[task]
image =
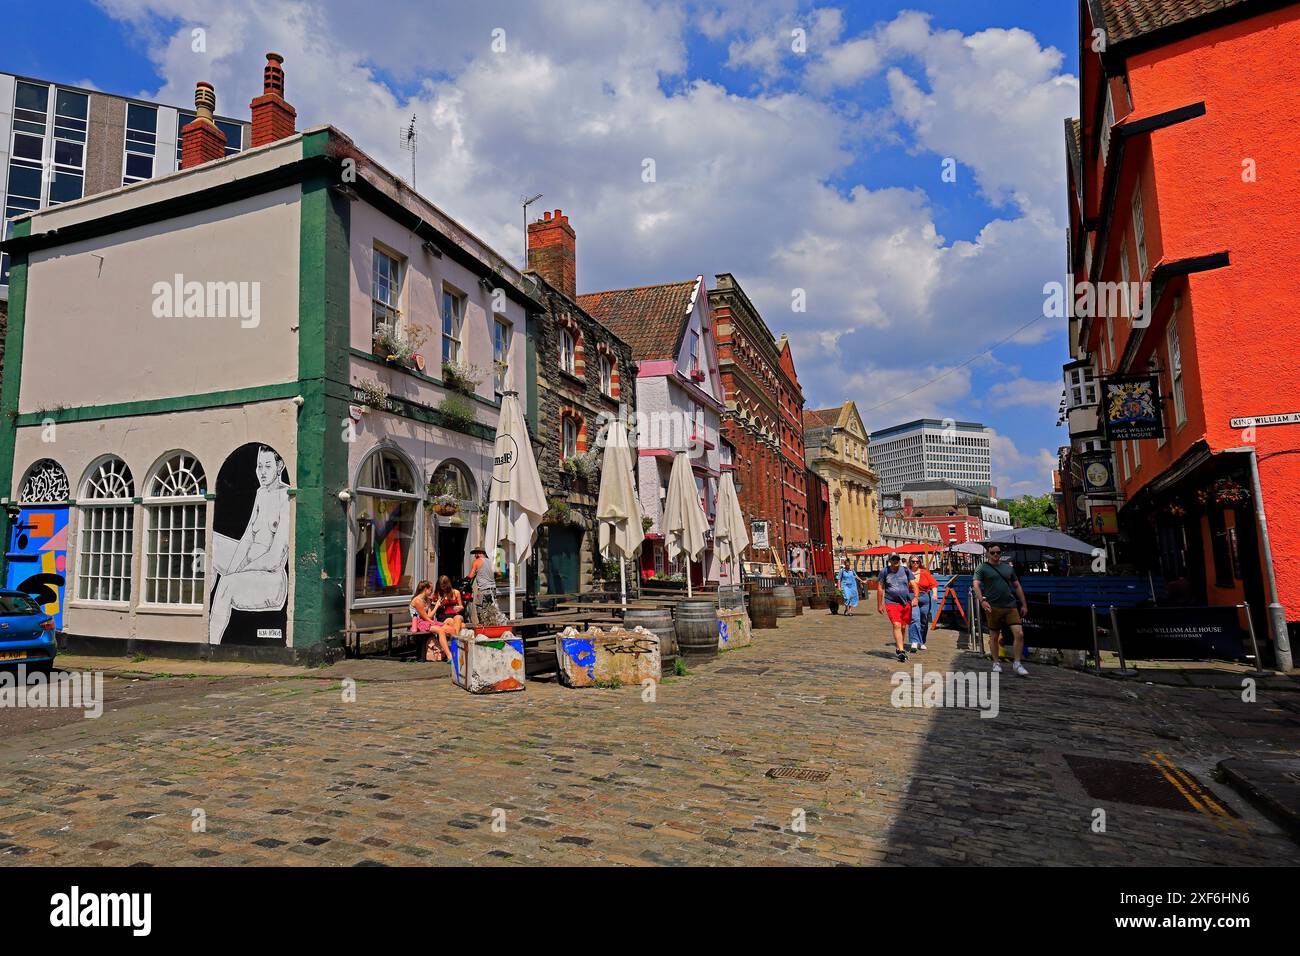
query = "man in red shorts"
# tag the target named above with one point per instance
(898, 594)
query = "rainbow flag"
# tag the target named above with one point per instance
(388, 550)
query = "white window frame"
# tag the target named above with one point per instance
(1107, 121)
(453, 324)
(568, 351)
(568, 429)
(1174, 348)
(136, 148)
(385, 294)
(106, 512)
(1125, 277)
(606, 376)
(502, 332)
(1123, 452)
(192, 508)
(1139, 231)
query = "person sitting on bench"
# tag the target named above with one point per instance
(423, 621)
(449, 606)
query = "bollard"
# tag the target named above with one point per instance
(1250, 627)
(1124, 670)
(1096, 648)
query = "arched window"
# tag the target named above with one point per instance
(107, 533)
(176, 519)
(452, 478)
(45, 483)
(386, 507)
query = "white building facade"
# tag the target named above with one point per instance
(929, 449)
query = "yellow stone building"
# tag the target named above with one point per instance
(835, 446)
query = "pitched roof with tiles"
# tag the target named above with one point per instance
(651, 318)
(821, 417)
(1128, 19)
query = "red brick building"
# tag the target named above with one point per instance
(763, 423)
(1182, 186)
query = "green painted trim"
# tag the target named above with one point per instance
(422, 376)
(321, 534)
(429, 415)
(9, 389)
(162, 406)
(289, 173)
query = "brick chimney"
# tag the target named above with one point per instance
(552, 252)
(201, 141)
(273, 118)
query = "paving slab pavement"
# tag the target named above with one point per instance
(303, 768)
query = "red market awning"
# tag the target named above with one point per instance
(872, 552)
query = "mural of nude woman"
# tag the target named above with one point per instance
(253, 571)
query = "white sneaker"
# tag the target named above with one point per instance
(997, 668)
(913, 647)
(1020, 669)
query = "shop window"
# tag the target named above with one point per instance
(176, 511)
(107, 534)
(386, 507)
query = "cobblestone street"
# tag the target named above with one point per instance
(283, 771)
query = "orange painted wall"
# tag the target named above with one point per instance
(1239, 326)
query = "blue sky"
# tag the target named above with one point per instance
(817, 170)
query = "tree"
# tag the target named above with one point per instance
(1033, 511)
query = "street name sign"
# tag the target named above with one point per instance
(1255, 421)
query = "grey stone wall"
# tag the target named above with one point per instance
(557, 390)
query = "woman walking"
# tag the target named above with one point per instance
(848, 582)
(926, 587)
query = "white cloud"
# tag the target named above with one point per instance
(1026, 391)
(1017, 473)
(751, 184)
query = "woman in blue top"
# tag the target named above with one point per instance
(848, 582)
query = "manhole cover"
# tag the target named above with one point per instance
(798, 773)
(1156, 783)
(734, 669)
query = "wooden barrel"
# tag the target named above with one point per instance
(697, 627)
(762, 610)
(817, 600)
(658, 621)
(787, 605)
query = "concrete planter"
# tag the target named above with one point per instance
(487, 665)
(600, 658)
(733, 630)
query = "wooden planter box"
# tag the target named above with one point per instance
(602, 657)
(487, 665)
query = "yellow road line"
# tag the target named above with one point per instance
(1183, 782)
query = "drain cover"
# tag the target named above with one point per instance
(1141, 784)
(798, 773)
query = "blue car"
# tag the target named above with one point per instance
(26, 632)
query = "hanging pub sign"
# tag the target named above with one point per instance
(1098, 473)
(1104, 519)
(1131, 407)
